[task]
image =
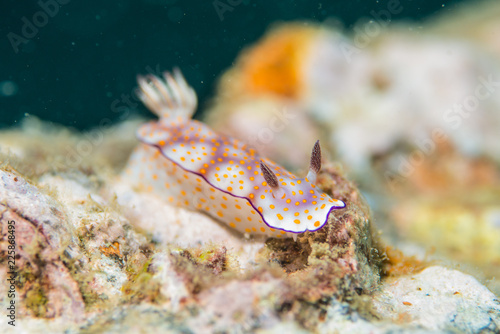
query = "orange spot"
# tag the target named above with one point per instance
(271, 206)
(183, 159)
(263, 229)
(317, 223)
(113, 249)
(309, 217)
(323, 206)
(220, 214)
(296, 214)
(229, 189)
(296, 221)
(237, 207)
(273, 65)
(314, 203)
(280, 217)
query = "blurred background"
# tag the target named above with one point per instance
(73, 63)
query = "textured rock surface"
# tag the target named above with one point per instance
(41, 234)
(92, 247)
(96, 255)
(440, 299)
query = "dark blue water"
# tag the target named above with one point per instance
(70, 61)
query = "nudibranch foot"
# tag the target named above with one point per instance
(190, 165)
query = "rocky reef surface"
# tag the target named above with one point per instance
(93, 254)
(90, 248)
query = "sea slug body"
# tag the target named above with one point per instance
(190, 165)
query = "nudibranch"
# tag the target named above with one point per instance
(190, 165)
